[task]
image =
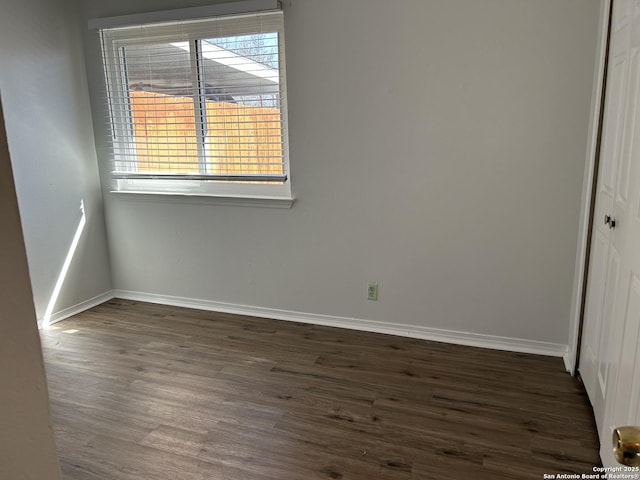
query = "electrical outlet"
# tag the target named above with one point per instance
(372, 291)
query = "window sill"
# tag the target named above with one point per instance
(203, 199)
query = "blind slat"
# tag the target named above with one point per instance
(212, 177)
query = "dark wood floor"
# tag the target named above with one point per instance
(141, 391)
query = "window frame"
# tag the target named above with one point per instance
(115, 38)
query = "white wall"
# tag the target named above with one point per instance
(48, 118)
(27, 449)
(437, 147)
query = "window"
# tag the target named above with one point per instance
(199, 106)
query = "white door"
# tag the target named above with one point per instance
(610, 353)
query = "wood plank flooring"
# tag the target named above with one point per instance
(141, 391)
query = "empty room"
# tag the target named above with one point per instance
(319, 239)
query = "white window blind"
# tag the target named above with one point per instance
(198, 106)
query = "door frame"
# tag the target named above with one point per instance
(571, 358)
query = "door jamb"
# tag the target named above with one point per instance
(572, 357)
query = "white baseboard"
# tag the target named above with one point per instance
(412, 331)
(78, 308)
(569, 361)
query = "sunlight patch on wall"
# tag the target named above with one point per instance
(65, 267)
